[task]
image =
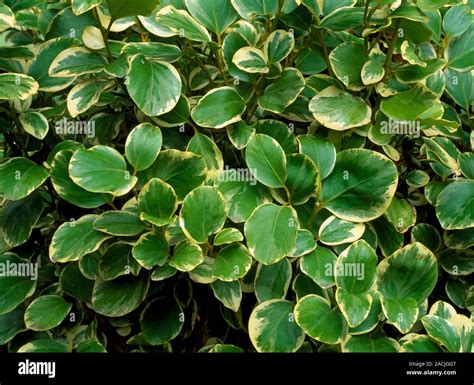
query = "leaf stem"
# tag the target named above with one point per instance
(316, 209)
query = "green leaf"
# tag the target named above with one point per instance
(419, 343)
(81, 6)
(90, 347)
(75, 284)
(46, 312)
(347, 61)
(302, 179)
(157, 202)
(318, 265)
(187, 256)
(76, 61)
(19, 177)
(219, 108)
(339, 18)
(361, 186)
(411, 272)
(154, 86)
(401, 214)
(454, 206)
(460, 86)
(229, 293)
(401, 312)
(410, 12)
(203, 213)
(417, 178)
(163, 272)
(219, 348)
(443, 332)
(178, 115)
(180, 22)
(200, 78)
(426, 234)
(305, 243)
(34, 124)
(251, 60)
(17, 86)
(151, 250)
(355, 269)
(216, 16)
(232, 262)
(321, 151)
(44, 346)
(116, 261)
(182, 170)
(283, 91)
(266, 160)
(207, 148)
(303, 285)
(278, 131)
(459, 239)
(15, 288)
(400, 107)
(153, 50)
(161, 321)
(67, 189)
(231, 44)
(373, 70)
(429, 5)
(38, 68)
(74, 239)
(272, 282)
(272, 328)
(354, 306)
(143, 146)
(11, 324)
(366, 344)
(228, 235)
(203, 272)
(119, 223)
(7, 18)
(339, 110)
(101, 169)
(373, 318)
(239, 134)
(123, 8)
(278, 45)
(270, 247)
(315, 316)
(457, 20)
(249, 9)
(466, 164)
(459, 50)
(89, 265)
(415, 73)
(409, 53)
(120, 296)
(241, 196)
(17, 219)
(66, 24)
(335, 231)
(85, 94)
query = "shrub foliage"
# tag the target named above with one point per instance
(236, 175)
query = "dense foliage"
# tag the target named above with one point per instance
(236, 175)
